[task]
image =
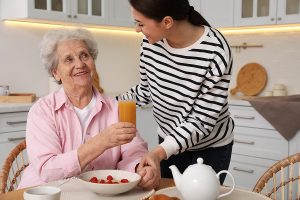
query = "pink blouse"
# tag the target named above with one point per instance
(54, 133)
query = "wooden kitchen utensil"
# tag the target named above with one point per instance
(251, 80)
(18, 98)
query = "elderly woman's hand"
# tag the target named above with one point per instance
(117, 134)
(114, 135)
(149, 170)
(150, 177)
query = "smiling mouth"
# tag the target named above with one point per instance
(81, 73)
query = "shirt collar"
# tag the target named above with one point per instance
(62, 99)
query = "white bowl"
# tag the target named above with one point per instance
(42, 193)
(110, 189)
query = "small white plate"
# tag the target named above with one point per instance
(237, 194)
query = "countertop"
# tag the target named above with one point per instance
(17, 107)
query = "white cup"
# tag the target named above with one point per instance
(42, 193)
(4, 90)
(279, 87)
(268, 93)
(279, 93)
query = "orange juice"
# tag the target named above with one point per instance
(127, 111)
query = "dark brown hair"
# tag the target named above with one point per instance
(177, 9)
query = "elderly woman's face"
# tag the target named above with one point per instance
(75, 64)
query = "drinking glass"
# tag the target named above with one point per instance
(127, 108)
(4, 90)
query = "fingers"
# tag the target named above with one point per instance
(150, 179)
(117, 134)
(142, 172)
(124, 125)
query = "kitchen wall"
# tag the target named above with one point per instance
(118, 58)
(279, 55)
(21, 68)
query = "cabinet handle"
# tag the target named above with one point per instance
(15, 139)
(244, 142)
(75, 16)
(243, 117)
(272, 19)
(15, 123)
(69, 16)
(279, 18)
(250, 171)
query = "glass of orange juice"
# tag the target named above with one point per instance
(127, 108)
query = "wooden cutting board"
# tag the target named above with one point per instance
(18, 98)
(251, 80)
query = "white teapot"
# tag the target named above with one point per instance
(199, 182)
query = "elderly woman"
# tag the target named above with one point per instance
(75, 128)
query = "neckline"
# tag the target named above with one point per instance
(87, 107)
(172, 49)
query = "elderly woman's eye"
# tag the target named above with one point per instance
(84, 56)
(68, 60)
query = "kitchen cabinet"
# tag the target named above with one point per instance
(218, 13)
(147, 126)
(257, 145)
(288, 11)
(214, 11)
(266, 12)
(82, 12)
(12, 127)
(120, 13)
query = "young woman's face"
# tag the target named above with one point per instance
(75, 64)
(153, 30)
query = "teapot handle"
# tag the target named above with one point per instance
(233, 182)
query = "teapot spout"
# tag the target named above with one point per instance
(176, 176)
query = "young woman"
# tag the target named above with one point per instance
(185, 70)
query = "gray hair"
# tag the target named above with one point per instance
(52, 38)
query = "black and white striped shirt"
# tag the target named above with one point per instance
(188, 88)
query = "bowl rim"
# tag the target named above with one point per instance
(138, 177)
(51, 191)
(110, 189)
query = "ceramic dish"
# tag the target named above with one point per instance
(74, 189)
(237, 194)
(110, 189)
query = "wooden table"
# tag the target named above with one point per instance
(18, 194)
(237, 194)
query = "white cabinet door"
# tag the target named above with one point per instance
(218, 13)
(254, 12)
(90, 11)
(95, 12)
(196, 4)
(8, 141)
(48, 9)
(247, 170)
(35, 9)
(288, 11)
(120, 13)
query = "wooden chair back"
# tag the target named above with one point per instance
(282, 180)
(13, 167)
